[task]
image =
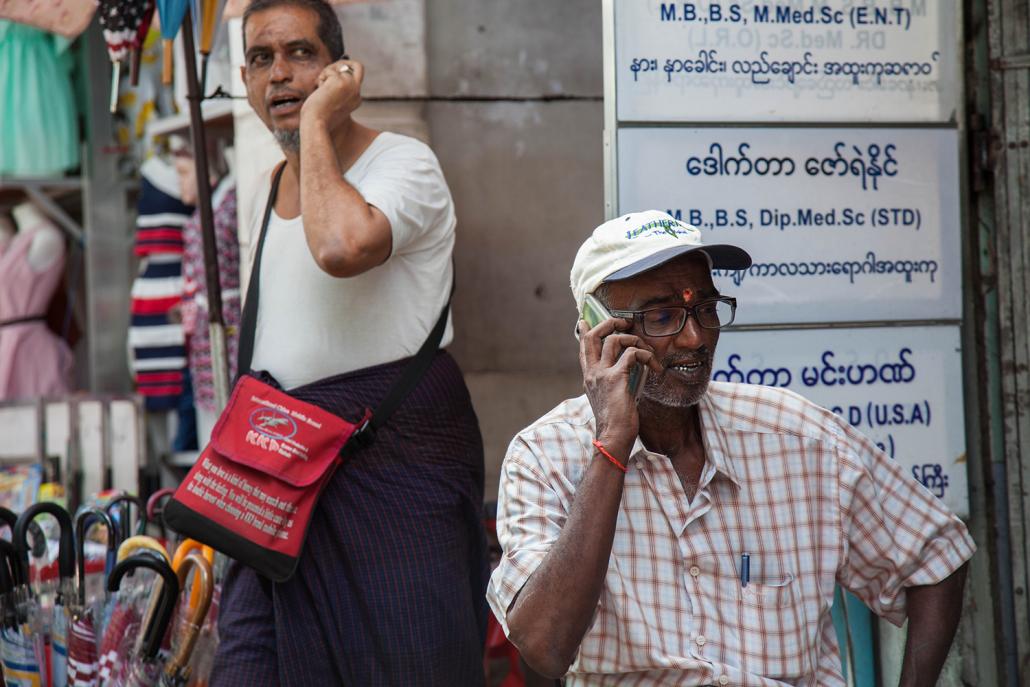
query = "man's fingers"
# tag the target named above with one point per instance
(632, 356)
(358, 70)
(349, 69)
(614, 344)
(591, 340)
(584, 356)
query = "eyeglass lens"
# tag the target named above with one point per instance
(666, 321)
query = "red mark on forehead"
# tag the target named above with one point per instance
(687, 295)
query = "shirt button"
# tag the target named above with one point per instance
(724, 679)
(700, 640)
(695, 571)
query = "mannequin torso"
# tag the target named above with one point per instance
(47, 243)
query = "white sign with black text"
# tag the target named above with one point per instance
(900, 386)
(801, 61)
(844, 225)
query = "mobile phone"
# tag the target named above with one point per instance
(595, 313)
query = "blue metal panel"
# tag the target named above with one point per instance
(860, 624)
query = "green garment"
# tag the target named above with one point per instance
(39, 129)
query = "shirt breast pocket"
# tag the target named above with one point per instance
(763, 624)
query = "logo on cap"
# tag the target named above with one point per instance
(660, 226)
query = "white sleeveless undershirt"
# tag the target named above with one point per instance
(311, 325)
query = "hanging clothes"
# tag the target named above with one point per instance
(34, 361)
(39, 130)
(195, 306)
(158, 343)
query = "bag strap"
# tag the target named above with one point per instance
(248, 319)
(411, 374)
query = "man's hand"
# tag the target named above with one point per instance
(607, 354)
(337, 96)
(550, 615)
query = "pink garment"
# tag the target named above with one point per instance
(33, 361)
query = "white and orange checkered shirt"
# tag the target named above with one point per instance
(809, 499)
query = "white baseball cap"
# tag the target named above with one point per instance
(640, 241)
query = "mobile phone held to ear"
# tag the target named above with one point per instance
(595, 313)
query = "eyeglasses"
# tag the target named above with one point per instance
(714, 313)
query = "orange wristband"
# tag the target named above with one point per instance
(604, 452)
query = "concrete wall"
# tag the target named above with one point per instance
(515, 116)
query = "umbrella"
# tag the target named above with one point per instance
(202, 660)
(83, 660)
(210, 11)
(124, 618)
(10, 518)
(141, 37)
(120, 20)
(144, 664)
(171, 13)
(16, 653)
(156, 509)
(177, 672)
(183, 550)
(141, 542)
(123, 514)
(212, 282)
(49, 625)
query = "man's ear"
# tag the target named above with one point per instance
(243, 74)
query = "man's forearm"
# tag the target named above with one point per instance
(330, 205)
(933, 615)
(554, 609)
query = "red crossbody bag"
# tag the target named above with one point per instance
(254, 488)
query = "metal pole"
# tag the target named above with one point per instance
(219, 360)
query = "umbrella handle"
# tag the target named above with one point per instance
(167, 59)
(66, 552)
(140, 541)
(8, 565)
(85, 518)
(167, 595)
(141, 511)
(8, 517)
(153, 502)
(138, 546)
(186, 547)
(203, 588)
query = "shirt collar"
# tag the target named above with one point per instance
(716, 449)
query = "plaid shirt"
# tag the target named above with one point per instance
(813, 502)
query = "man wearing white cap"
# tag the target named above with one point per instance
(694, 533)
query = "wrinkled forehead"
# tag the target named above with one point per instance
(683, 279)
(281, 25)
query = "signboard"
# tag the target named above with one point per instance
(900, 386)
(843, 225)
(800, 61)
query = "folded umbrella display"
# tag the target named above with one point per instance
(124, 615)
(143, 665)
(44, 620)
(17, 652)
(83, 658)
(177, 671)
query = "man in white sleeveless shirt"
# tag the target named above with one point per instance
(354, 272)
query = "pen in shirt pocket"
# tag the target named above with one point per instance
(745, 569)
